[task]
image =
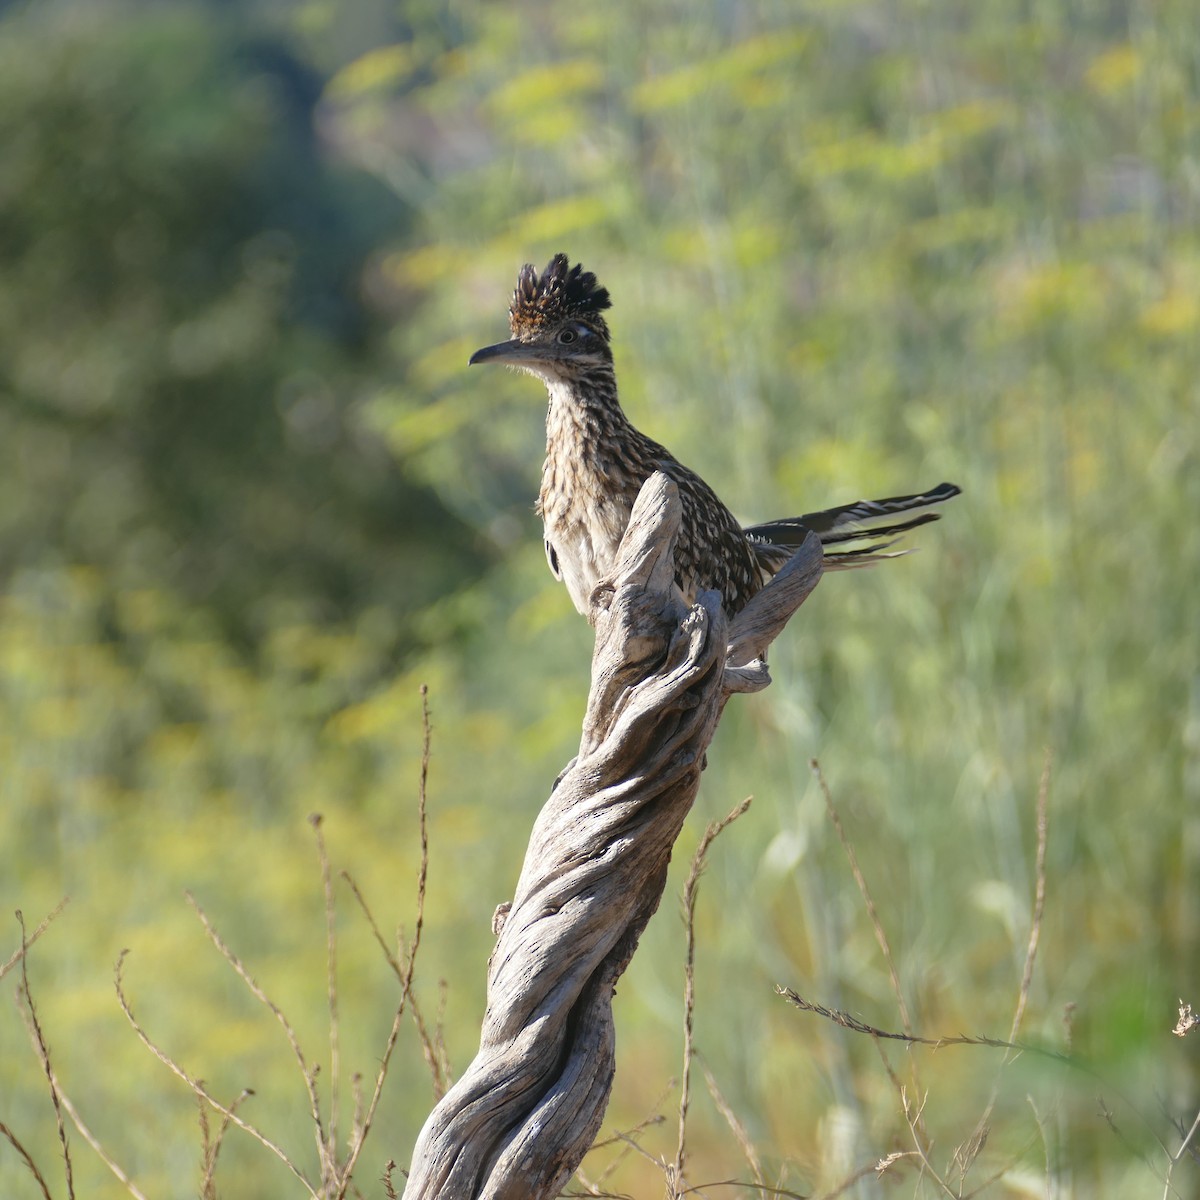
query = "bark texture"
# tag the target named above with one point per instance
(521, 1118)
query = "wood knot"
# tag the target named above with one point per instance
(602, 596)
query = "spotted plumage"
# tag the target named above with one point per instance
(596, 463)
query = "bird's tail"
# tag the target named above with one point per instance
(856, 527)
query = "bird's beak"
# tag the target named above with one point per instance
(515, 352)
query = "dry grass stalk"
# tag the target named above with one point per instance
(361, 1132)
(43, 1053)
(27, 941)
(741, 1136)
(27, 1158)
(308, 1073)
(197, 1085)
(675, 1176)
(329, 1140)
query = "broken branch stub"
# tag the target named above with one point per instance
(519, 1121)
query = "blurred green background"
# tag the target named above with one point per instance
(251, 498)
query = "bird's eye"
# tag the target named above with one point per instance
(567, 336)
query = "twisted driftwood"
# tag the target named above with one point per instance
(520, 1120)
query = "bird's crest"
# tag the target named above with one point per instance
(561, 291)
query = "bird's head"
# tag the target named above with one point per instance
(557, 327)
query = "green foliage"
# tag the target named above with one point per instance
(184, 337)
(874, 247)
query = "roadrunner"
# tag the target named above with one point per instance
(596, 463)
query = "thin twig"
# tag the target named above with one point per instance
(406, 985)
(433, 1045)
(736, 1127)
(589, 1188)
(27, 942)
(205, 1148)
(890, 1071)
(898, 1087)
(876, 924)
(594, 1193)
(1178, 1155)
(84, 1132)
(765, 1188)
(212, 1146)
(198, 1087)
(690, 888)
(329, 1157)
(356, 891)
(636, 1146)
(1000, 1172)
(876, 1168)
(846, 1021)
(860, 880)
(626, 1137)
(356, 1090)
(979, 1136)
(43, 1052)
(913, 1120)
(15, 1142)
(886, 1163)
(965, 1153)
(309, 1073)
(1039, 894)
(438, 1070)
(440, 1053)
(93, 1141)
(363, 1127)
(1111, 1122)
(1048, 1151)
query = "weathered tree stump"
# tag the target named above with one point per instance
(521, 1118)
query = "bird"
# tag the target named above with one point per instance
(596, 463)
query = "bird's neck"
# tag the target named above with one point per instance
(583, 413)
